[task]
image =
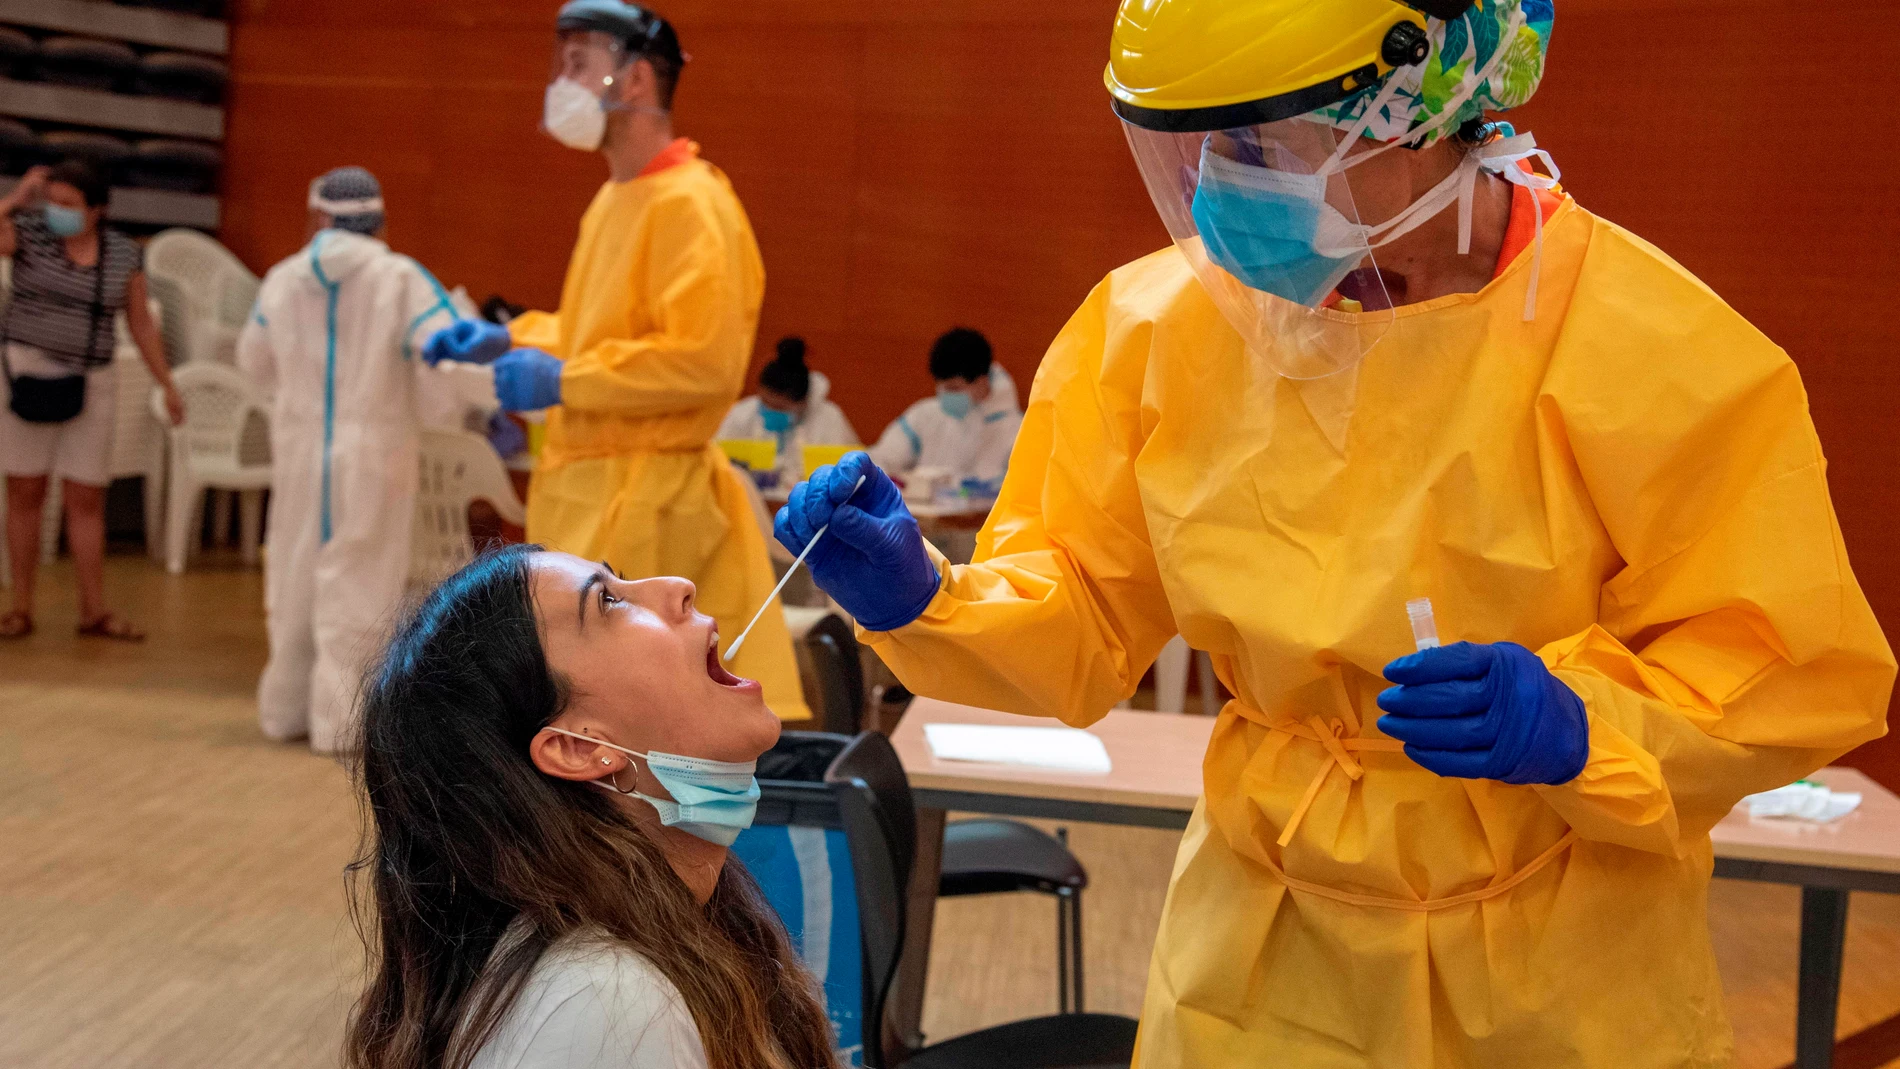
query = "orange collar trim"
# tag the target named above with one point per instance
(680, 151)
(1522, 229)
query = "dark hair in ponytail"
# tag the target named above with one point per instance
(787, 373)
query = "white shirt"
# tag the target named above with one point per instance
(594, 1004)
(824, 424)
(974, 447)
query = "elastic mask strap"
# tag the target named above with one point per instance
(1502, 158)
(1454, 187)
(612, 783)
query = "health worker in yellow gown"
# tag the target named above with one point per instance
(649, 347)
(1387, 358)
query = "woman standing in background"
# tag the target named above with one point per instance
(71, 278)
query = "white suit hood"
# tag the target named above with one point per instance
(819, 390)
(333, 256)
(1002, 393)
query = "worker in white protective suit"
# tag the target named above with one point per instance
(968, 428)
(792, 409)
(335, 345)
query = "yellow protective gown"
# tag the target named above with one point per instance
(656, 324)
(1630, 485)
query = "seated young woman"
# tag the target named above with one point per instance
(554, 763)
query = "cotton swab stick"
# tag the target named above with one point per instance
(733, 650)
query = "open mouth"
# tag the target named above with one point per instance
(716, 669)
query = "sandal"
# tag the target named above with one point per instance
(16, 625)
(111, 627)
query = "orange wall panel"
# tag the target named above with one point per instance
(912, 165)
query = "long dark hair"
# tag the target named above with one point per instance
(466, 837)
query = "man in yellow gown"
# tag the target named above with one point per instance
(649, 347)
(1333, 396)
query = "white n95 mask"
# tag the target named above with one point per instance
(573, 115)
(714, 800)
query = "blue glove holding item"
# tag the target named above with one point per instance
(470, 341)
(872, 560)
(527, 379)
(1490, 711)
(506, 436)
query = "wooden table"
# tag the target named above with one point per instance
(1859, 852)
(1156, 782)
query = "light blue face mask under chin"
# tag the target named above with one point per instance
(64, 221)
(1271, 229)
(713, 800)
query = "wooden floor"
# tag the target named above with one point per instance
(171, 884)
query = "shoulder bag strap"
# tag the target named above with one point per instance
(98, 298)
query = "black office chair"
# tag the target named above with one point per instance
(993, 856)
(86, 63)
(182, 76)
(211, 9)
(19, 54)
(840, 670)
(989, 856)
(19, 147)
(105, 153)
(179, 166)
(880, 820)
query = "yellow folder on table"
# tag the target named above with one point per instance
(817, 456)
(758, 454)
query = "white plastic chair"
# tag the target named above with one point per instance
(457, 468)
(223, 443)
(207, 293)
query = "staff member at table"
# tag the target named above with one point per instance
(1270, 437)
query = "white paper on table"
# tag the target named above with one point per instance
(1063, 749)
(1803, 800)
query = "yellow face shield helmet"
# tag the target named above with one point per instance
(1247, 119)
(1198, 65)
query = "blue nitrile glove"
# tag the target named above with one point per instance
(872, 560)
(506, 435)
(527, 379)
(471, 341)
(1490, 711)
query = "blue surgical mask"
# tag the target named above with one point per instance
(64, 221)
(1273, 230)
(955, 403)
(714, 800)
(775, 421)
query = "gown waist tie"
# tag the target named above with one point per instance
(1340, 746)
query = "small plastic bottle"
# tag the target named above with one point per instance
(1424, 627)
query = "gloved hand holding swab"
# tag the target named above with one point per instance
(733, 650)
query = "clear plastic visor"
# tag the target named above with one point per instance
(1266, 218)
(589, 58)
